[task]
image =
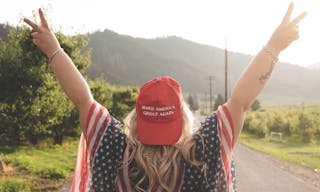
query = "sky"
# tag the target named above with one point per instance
(246, 24)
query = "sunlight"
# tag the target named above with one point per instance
(247, 24)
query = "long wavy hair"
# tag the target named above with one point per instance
(154, 162)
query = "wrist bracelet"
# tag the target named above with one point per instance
(267, 50)
(55, 52)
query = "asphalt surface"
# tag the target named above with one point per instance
(256, 172)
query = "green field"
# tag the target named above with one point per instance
(287, 149)
(38, 167)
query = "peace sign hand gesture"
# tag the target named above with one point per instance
(286, 33)
(43, 38)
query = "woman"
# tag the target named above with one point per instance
(158, 151)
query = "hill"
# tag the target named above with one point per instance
(314, 66)
(126, 60)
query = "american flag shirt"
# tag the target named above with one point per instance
(103, 148)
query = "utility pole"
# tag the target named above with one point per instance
(211, 80)
(226, 72)
(206, 102)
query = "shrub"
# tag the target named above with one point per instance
(14, 185)
(304, 126)
(316, 135)
(255, 125)
(291, 121)
(53, 173)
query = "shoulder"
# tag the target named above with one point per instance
(98, 119)
(101, 125)
(208, 127)
(226, 125)
(206, 137)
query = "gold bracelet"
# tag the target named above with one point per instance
(268, 51)
(55, 52)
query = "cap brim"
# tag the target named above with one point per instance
(159, 133)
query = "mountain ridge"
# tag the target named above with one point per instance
(314, 66)
(125, 60)
(122, 59)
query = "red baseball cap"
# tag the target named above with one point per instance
(159, 111)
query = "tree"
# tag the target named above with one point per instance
(255, 105)
(193, 102)
(219, 101)
(304, 127)
(19, 82)
(4, 31)
(32, 104)
(102, 92)
(123, 101)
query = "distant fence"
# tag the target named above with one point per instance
(276, 134)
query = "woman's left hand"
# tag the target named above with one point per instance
(286, 32)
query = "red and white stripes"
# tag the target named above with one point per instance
(97, 122)
(226, 133)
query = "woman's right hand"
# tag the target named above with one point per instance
(286, 32)
(69, 77)
(43, 38)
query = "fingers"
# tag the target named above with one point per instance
(32, 24)
(293, 33)
(35, 41)
(286, 18)
(299, 18)
(294, 24)
(35, 35)
(37, 28)
(43, 19)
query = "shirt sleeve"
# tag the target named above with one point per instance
(97, 117)
(97, 120)
(101, 128)
(226, 135)
(101, 124)
(226, 127)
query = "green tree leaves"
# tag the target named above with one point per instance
(302, 124)
(255, 105)
(32, 103)
(219, 101)
(31, 99)
(193, 102)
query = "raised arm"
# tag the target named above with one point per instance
(71, 80)
(257, 74)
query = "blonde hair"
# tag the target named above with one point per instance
(154, 162)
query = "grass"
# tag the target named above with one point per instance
(44, 167)
(288, 149)
(14, 185)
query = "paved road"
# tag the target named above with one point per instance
(256, 172)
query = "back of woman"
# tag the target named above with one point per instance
(156, 149)
(158, 160)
